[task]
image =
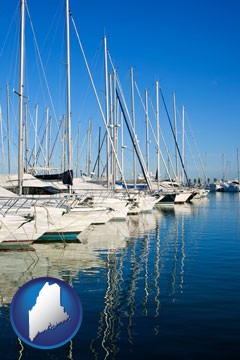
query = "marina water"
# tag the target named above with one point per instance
(163, 285)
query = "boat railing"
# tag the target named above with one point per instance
(17, 204)
(13, 204)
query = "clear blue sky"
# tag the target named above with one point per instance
(191, 47)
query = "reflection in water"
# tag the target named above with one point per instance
(157, 277)
(16, 269)
(70, 352)
(146, 251)
(133, 281)
(182, 257)
(178, 242)
(108, 332)
(21, 349)
(143, 261)
(58, 260)
(142, 284)
(175, 257)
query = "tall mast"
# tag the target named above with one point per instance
(223, 170)
(88, 152)
(111, 157)
(20, 92)
(205, 167)
(2, 145)
(115, 127)
(175, 131)
(158, 134)
(133, 126)
(46, 141)
(8, 129)
(63, 144)
(26, 137)
(147, 132)
(99, 150)
(35, 137)
(122, 142)
(69, 135)
(237, 166)
(49, 142)
(106, 107)
(183, 134)
(78, 151)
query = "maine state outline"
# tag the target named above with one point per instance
(47, 313)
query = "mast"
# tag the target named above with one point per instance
(223, 171)
(8, 129)
(133, 126)
(147, 132)
(78, 151)
(2, 145)
(106, 107)
(183, 155)
(46, 141)
(158, 134)
(175, 131)
(111, 160)
(26, 137)
(205, 167)
(20, 92)
(63, 143)
(98, 102)
(170, 123)
(237, 166)
(49, 142)
(135, 142)
(35, 137)
(99, 150)
(88, 152)
(115, 127)
(69, 136)
(122, 142)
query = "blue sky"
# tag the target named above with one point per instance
(191, 47)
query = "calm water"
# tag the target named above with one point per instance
(164, 285)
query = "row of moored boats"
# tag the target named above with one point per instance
(46, 212)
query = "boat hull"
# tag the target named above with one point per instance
(49, 237)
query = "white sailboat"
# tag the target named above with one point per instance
(24, 219)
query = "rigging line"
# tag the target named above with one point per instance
(97, 159)
(82, 147)
(29, 114)
(174, 136)
(98, 101)
(131, 134)
(9, 29)
(192, 155)
(40, 148)
(150, 123)
(93, 66)
(5, 131)
(188, 142)
(140, 156)
(56, 137)
(41, 63)
(13, 58)
(165, 145)
(56, 15)
(76, 147)
(80, 152)
(12, 108)
(195, 143)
